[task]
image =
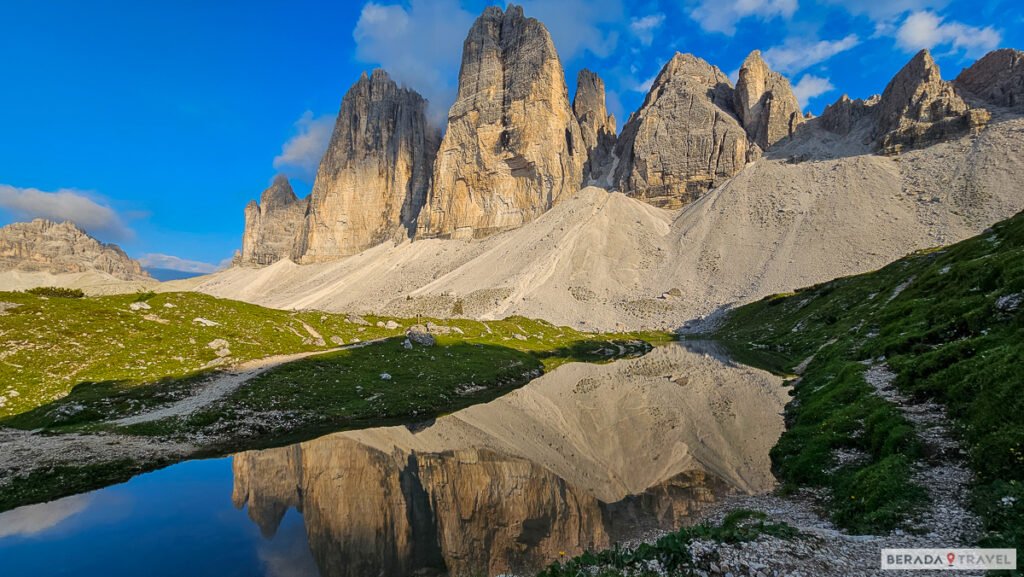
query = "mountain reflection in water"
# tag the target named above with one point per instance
(582, 458)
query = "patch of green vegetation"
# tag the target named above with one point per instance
(950, 323)
(63, 480)
(72, 365)
(670, 555)
(56, 292)
(50, 346)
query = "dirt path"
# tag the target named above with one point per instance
(223, 384)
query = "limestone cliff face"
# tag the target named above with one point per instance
(684, 140)
(513, 145)
(841, 116)
(996, 78)
(597, 126)
(918, 108)
(374, 177)
(273, 226)
(765, 103)
(46, 246)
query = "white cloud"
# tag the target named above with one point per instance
(35, 519)
(419, 46)
(796, 54)
(809, 87)
(300, 155)
(578, 26)
(927, 30)
(83, 208)
(643, 28)
(722, 15)
(171, 262)
(881, 11)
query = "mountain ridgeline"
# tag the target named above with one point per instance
(515, 144)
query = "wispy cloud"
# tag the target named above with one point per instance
(809, 87)
(87, 210)
(420, 46)
(797, 54)
(723, 15)
(578, 26)
(171, 262)
(35, 519)
(643, 28)
(928, 30)
(300, 155)
(882, 11)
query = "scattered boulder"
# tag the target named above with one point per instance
(391, 325)
(337, 340)
(418, 334)
(205, 322)
(220, 346)
(357, 320)
(385, 377)
(6, 306)
(140, 306)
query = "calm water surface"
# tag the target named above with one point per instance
(582, 458)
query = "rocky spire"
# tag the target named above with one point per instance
(513, 145)
(272, 226)
(918, 107)
(765, 103)
(374, 176)
(597, 126)
(997, 78)
(44, 245)
(684, 139)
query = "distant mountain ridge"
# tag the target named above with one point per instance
(515, 144)
(59, 248)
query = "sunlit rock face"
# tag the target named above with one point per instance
(996, 78)
(274, 225)
(918, 108)
(513, 145)
(765, 103)
(684, 140)
(374, 177)
(44, 245)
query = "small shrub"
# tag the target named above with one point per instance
(56, 292)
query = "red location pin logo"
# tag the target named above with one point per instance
(950, 557)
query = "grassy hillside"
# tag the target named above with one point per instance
(75, 361)
(950, 323)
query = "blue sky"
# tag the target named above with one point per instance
(153, 123)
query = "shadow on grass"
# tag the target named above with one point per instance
(296, 402)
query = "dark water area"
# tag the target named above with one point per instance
(583, 458)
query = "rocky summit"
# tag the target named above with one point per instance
(918, 107)
(58, 248)
(997, 78)
(513, 145)
(374, 177)
(598, 127)
(273, 226)
(684, 140)
(765, 103)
